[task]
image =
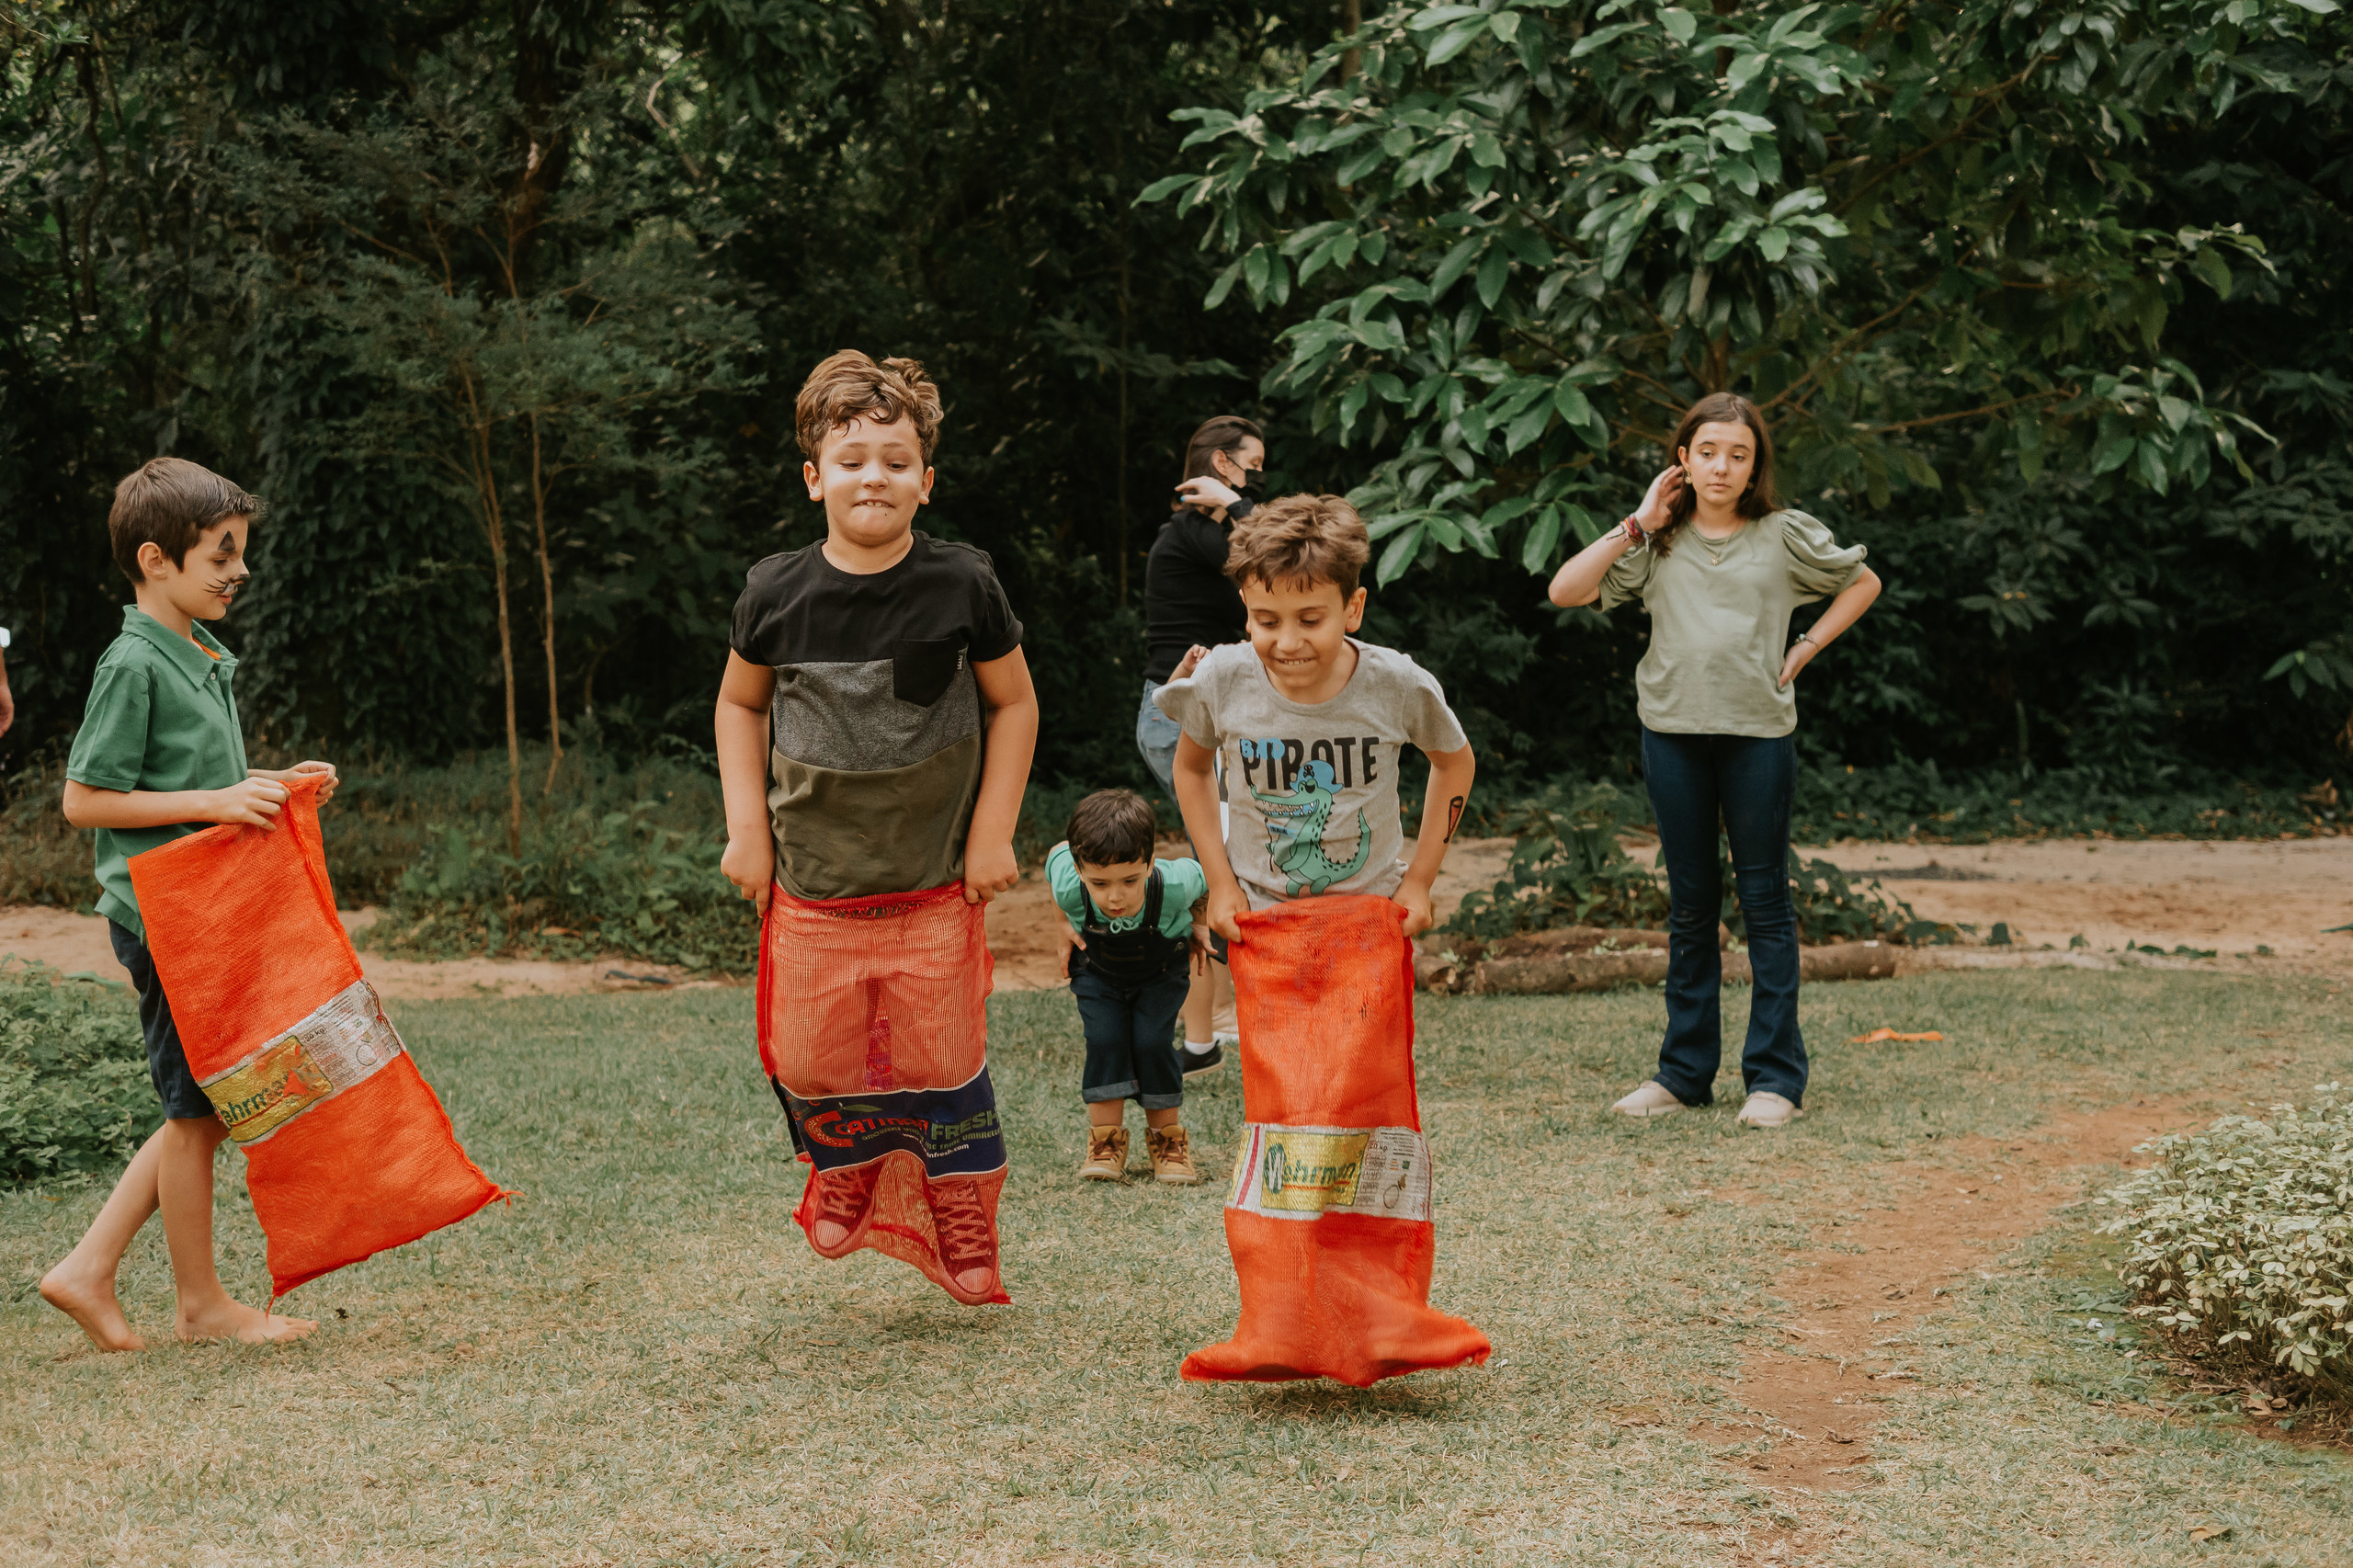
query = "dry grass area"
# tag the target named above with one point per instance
(640, 1362)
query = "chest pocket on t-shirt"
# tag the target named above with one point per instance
(922, 667)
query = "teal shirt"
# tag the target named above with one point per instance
(161, 717)
(1182, 884)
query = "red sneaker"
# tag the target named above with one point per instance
(966, 1237)
(843, 1198)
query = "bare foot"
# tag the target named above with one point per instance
(235, 1320)
(90, 1301)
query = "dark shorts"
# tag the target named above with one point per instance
(166, 1062)
(1132, 1039)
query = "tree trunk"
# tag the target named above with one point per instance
(546, 606)
(1351, 18)
(494, 522)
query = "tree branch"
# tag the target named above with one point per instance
(1967, 412)
(1831, 360)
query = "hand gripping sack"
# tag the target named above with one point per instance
(1328, 1215)
(348, 1152)
(874, 1027)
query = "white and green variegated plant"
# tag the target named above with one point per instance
(2242, 1239)
(1531, 232)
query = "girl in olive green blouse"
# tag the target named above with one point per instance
(1719, 564)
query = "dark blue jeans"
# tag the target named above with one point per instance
(1745, 780)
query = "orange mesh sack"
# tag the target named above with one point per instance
(874, 1027)
(348, 1152)
(1328, 1216)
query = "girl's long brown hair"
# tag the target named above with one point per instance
(1223, 434)
(1761, 497)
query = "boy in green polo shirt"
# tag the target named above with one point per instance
(160, 754)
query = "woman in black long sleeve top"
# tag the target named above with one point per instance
(1188, 603)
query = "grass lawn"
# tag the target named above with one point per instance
(640, 1361)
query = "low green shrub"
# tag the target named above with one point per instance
(587, 882)
(73, 1091)
(1568, 869)
(1906, 799)
(2240, 1243)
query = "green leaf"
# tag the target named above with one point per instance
(2152, 464)
(1602, 37)
(1680, 24)
(1536, 551)
(1454, 40)
(2212, 271)
(1222, 288)
(1527, 427)
(1773, 244)
(1458, 261)
(1494, 270)
(1159, 189)
(1575, 407)
(2112, 453)
(1589, 526)
(1398, 556)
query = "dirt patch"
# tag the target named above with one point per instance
(1816, 1397)
(2229, 896)
(79, 944)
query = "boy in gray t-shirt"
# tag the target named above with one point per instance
(1311, 726)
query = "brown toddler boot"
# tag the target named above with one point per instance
(1106, 1154)
(1172, 1156)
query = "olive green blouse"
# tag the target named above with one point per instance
(1719, 621)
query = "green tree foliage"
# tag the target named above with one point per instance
(1934, 242)
(2023, 284)
(1561, 224)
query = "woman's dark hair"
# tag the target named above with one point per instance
(1760, 497)
(1112, 827)
(1224, 434)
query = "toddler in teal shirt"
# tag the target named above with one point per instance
(1133, 942)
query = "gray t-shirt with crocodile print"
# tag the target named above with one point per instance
(1313, 787)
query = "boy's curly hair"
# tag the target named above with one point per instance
(168, 501)
(1301, 539)
(1112, 827)
(850, 385)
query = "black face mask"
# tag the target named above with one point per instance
(1251, 479)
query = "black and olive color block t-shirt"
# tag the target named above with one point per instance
(876, 729)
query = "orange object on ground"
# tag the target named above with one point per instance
(348, 1152)
(1879, 1034)
(873, 1027)
(1328, 1215)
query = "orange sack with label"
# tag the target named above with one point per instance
(1328, 1215)
(874, 1029)
(348, 1152)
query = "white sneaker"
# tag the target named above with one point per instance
(1765, 1108)
(1653, 1098)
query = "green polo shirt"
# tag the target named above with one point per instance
(161, 717)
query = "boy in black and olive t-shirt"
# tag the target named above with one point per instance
(875, 731)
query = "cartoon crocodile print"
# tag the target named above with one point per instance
(1296, 823)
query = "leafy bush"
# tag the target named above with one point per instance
(1568, 869)
(74, 1089)
(1905, 799)
(2242, 1240)
(587, 882)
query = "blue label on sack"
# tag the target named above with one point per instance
(953, 1131)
